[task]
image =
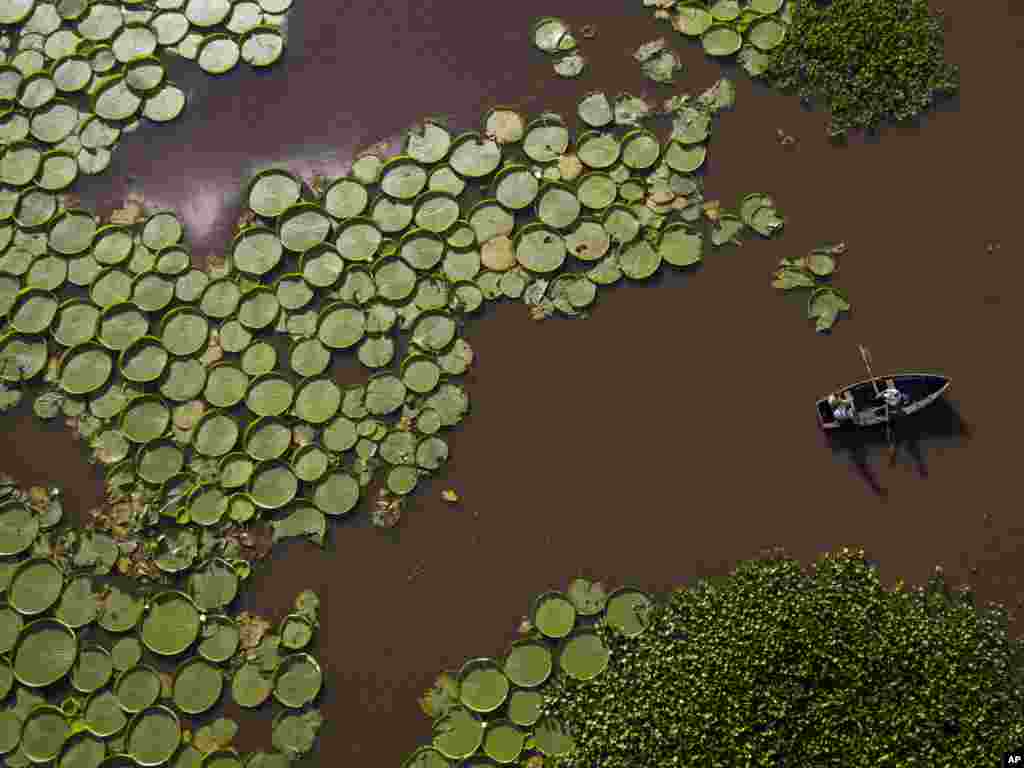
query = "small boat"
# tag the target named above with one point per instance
(865, 404)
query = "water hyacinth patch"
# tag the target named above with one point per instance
(630, 659)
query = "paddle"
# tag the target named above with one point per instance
(866, 356)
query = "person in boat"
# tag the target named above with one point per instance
(891, 395)
(842, 407)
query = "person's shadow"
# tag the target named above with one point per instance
(937, 426)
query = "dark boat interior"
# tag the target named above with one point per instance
(916, 387)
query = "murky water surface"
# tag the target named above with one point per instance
(672, 433)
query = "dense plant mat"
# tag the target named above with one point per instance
(866, 61)
(98, 671)
(769, 665)
(76, 75)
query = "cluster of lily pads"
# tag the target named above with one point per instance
(492, 708)
(750, 30)
(96, 674)
(825, 301)
(209, 392)
(76, 74)
(553, 36)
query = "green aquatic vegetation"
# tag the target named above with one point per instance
(114, 54)
(868, 61)
(825, 301)
(54, 597)
(778, 661)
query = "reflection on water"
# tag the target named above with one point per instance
(936, 427)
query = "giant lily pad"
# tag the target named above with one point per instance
(45, 652)
(197, 686)
(171, 623)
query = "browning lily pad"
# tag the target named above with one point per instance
(250, 685)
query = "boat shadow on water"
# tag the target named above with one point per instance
(938, 426)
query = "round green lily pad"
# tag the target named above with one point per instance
(528, 663)
(45, 652)
(524, 707)
(197, 686)
(583, 655)
(171, 623)
(85, 368)
(721, 40)
(35, 586)
(18, 528)
(297, 680)
(153, 736)
(220, 638)
(43, 733)
(92, 669)
(624, 611)
(458, 734)
(503, 741)
(137, 688)
(554, 615)
(250, 685)
(483, 686)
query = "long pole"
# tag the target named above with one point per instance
(867, 361)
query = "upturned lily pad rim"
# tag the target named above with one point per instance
(479, 139)
(24, 635)
(297, 209)
(265, 466)
(160, 597)
(287, 662)
(23, 566)
(153, 709)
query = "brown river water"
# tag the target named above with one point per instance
(672, 433)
